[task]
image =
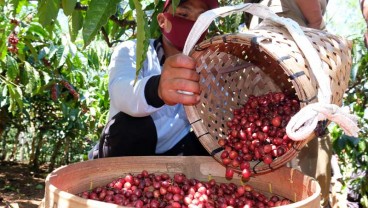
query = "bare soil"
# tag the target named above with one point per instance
(20, 186)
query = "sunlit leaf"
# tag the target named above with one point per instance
(97, 15)
(37, 29)
(48, 11)
(76, 24)
(362, 146)
(175, 3)
(33, 78)
(153, 26)
(16, 98)
(132, 4)
(3, 47)
(62, 54)
(142, 36)
(68, 6)
(13, 5)
(12, 68)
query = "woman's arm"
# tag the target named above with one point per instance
(364, 8)
(126, 96)
(311, 9)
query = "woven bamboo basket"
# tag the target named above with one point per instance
(64, 183)
(233, 67)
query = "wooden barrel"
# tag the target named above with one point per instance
(63, 183)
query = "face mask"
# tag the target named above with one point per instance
(179, 31)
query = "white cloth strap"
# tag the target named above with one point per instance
(305, 121)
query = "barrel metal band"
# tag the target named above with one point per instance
(254, 167)
(195, 121)
(296, 75)
(203, 135)
(257, 39)
(281, 59)
(215, 151)
(254, 42)
(308, 100)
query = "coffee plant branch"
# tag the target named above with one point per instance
(114, 18)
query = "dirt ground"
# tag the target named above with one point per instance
(19, 186)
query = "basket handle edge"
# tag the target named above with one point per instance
(206, 18)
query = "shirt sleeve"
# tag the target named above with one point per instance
(125, 95)
(151, 92)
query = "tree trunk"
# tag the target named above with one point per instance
(35, 161)
(54, 154)
(33, 145)
(67, 147)
(3, 122)
(15, 147)
(3, 146)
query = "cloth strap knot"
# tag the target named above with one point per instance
(302, 124)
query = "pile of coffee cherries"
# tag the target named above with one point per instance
(161, 190)
(257, 132)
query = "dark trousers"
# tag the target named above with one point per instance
(125, 135)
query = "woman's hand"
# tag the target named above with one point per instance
(179, 81)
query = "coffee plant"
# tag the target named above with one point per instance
(53, 90)
(352, 152)
(54, 56)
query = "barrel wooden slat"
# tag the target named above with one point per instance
(63, 183)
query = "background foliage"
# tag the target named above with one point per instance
(53, 75)
(54, 57)
(352, 152)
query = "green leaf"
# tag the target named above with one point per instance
(32, 49)
(24, 76)
(14, 6)
(12, 68)
(21, 53)
(142, 36)
(46, 77)
(93, 58)
(175, 3)
(154, 27)
(4, 98)
(37, 29)
(362, 146)
(39, 187)
(15, 97)
(132, 4)
(97, 15)
(3, 47)
(76, 25)
(68, 6)
(34, 81)
(48, 11)
(61, 55)
(21, 5)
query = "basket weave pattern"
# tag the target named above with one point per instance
(233, 67)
